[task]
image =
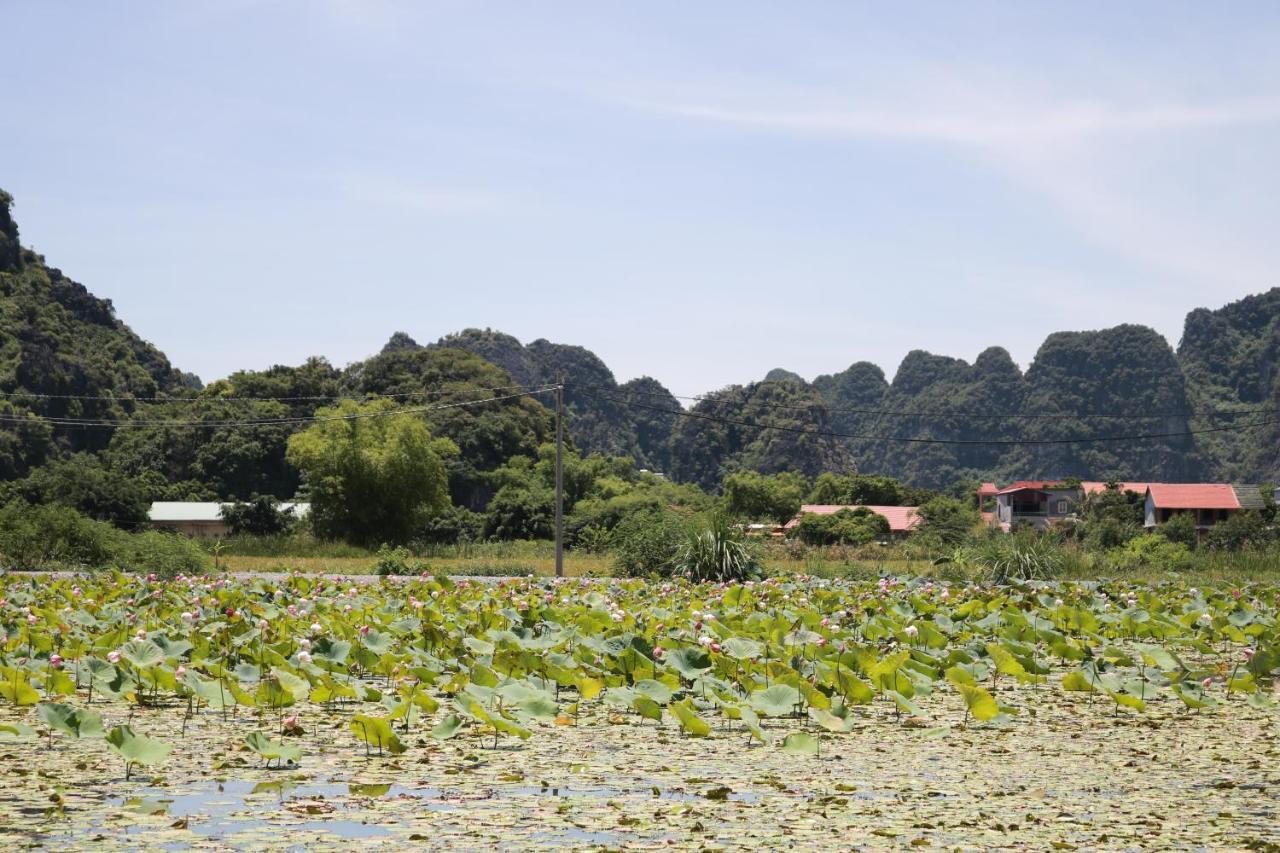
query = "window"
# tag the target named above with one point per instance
(1062, 507)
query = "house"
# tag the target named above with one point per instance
(902, 519)
(1207, 503)
(1041, 503)
(1038, 503)
(203, 518)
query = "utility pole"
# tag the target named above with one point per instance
(560, 479)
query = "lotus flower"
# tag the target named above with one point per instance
(911, 630)
(55, 661)
(180, 672)
(304, 657)
(113, 656)
(1248, 655)
(316, 628)
(32, 619)
(659, 651)
(1207, 683)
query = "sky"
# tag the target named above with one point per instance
(698, 192)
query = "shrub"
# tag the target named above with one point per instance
(38, 537)
(1019, 556)
(165, 554)
(846, 527)
(1108, 533)
(719, 551)
(1152, 550)
(946, 521)
(46, 537)
(395, 561)
(260, 516)
(647, 543)
(1239, 531)
(1182, 529)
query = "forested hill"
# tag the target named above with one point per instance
(60, 347)
(57, 339)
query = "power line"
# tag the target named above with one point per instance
(918, 440)
(936, 413)
(85, 423)
(30, 395)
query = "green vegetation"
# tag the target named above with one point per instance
(127, 686)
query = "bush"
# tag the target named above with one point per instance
(50, 537)
(719, 551)
(846, 527)
(1106, 534)
(1182, 529)
(647, 543)
(40, 537)
(395, 561)
(454, 525)
(1154, 550)
(1019, 556)
(165, 554)
(1239, 531)
(947, 521)
(260, 516)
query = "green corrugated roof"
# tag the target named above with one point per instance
(1250, 497)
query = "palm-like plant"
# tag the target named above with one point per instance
(719, 551)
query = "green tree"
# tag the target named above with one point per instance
(1181, 528)
(754, 496)
(260, 516)
(847, 527)
(948, 521)
(372, 477)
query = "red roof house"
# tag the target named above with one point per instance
(901, 518)
(1209, 503)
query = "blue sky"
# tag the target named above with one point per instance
(695, 191)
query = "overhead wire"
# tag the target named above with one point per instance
(683, 413)
(938, 413)
(88, 423)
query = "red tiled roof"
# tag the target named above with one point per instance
(1035, 485)
(900, 518)
(1090, 487)
(1193, 496)
(988, 489)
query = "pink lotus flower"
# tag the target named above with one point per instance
(304, 657)
(180, 672)
(1248, 655)
(822, 641)
(263, 624)
(911, 630)
(55, 661)
(715, 647)
(658, 651)
(114, 657)
(364, 630)
(1207, 683)
(32, 619)
(291, 722)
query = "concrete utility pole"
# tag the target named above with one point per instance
(560, 479)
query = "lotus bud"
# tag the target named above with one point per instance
(142, 634)
(705, 640)
(304, 657)
(113, 656)
(1207, 683)
(180, 672)
(1248, 655)
(55, 661)
(658, 651)
(32, 619)
(715, 647)
(291, 722)
(911, 630)
(364, 630)
(316, 628)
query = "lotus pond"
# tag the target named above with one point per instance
(302, 712)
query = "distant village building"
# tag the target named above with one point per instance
(1043, 503)
(902, 519)
(1206, 503)
(203, 518)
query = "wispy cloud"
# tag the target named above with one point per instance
(422, 198)
(1081, 155)
(985, 124)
